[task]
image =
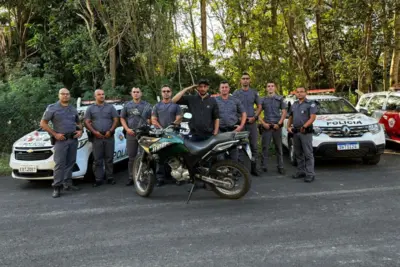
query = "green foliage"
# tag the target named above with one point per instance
(5, 169)
(22, 103)
(119, 44)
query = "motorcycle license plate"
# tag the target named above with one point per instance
(248, 151)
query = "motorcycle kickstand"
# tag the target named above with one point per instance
(190, 193)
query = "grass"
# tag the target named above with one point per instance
(5, 169)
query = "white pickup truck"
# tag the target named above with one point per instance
(32, 154)
(340, 131)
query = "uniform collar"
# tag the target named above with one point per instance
(242, 90)
(220, 97)
(59, 104)
(305, 101)
(104, 104)
(140, 102)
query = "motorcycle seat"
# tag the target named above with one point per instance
(197, 148)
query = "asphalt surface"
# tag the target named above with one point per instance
(349, 216)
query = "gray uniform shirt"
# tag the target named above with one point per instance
(136, 114)
(272, 107)
(248, 99)
(102, 116)
(64, 119)
(228, 111)
(302, 112)
(166, 113)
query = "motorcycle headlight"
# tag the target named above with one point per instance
(82, 143)
(374, 128)
(317, 131)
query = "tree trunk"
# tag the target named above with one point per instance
(394, 68)
(365, 73)
(386, 44)
(203, 26)
(113, 61)
(275, 51)
(193, 29)
(323, 62)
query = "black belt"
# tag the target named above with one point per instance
(309, 129)
(69, 135)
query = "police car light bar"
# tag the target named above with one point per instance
(90, 102)
(317, 91)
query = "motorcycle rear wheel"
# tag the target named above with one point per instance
(143, 177)
(231, 171)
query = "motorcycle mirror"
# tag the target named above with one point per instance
(187, 115)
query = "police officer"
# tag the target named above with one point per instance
(204, 109)
(248, 97)
(164, 114)
(302, 115)
(275, 110)
(65, 133)
(135, 114)
(229, 108)
(101, 119)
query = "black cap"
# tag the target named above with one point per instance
(203, 81)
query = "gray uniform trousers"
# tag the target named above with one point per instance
(253, 140)
(64, 159)
(276, 135)
(133, 148)
(103, 153)
(303, 150)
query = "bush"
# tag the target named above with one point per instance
(22, 103)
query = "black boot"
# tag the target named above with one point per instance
(56, 191)
(254, 170)
(71, 187)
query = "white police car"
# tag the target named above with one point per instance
(340, 131)
(32, 155)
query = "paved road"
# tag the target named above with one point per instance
(349, 216)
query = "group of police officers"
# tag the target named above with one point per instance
(210, 116)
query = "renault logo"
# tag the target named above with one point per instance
(346, 131)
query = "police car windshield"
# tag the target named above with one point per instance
(334, 106)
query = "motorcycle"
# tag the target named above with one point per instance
(190, 161)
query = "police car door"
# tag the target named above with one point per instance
(120, 152)
(376, 104)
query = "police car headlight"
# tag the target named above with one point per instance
(82, 143)
(317, 131)
(374, 128)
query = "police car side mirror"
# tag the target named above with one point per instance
(187, 115)
(364, 111)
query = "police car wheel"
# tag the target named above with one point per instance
(292, 156)
(372, 160)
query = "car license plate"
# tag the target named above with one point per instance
(348, 146)
(28, 169)
(248, 151)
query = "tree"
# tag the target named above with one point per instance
(394, 68)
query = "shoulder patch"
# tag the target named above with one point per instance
(313, 105)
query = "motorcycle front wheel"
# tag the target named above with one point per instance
(143, 177)
(235, 175)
